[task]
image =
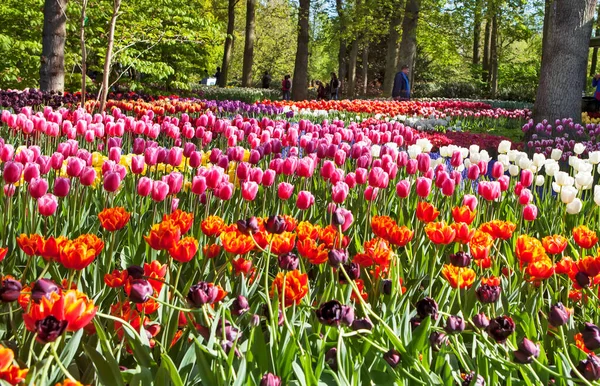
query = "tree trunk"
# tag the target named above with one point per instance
(564, 63)
(228, 43)
(249, 44)
(485, 74)
(408, 46)
(494, 57)
(391, 57)
(54, 35)
(109, 49)
(342, 51)
(351, 92)
(83, 51)
(476, 32)
(595, 51)
(365, 68)
(300, 81)
(547, 8)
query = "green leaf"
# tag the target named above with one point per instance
(107, 373)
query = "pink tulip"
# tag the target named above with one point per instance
(175, 156)
(448, 187)
(473, 172)
(403, 188)
(289, 166)
(497, 170)
(12, 172)
(530, 212)
(411, 166)
(361, 176)
(336, 176)
(243, 171)
(224, 191)
(423, 162)
(256, 175)
(470, 201)
(43, 162)
(195, 159)
(306, 167)
(249, 190)
(198, 185)
(175, 182)
(75, 166)
(489, 190)
(285, 190)
(114, 154)
(519, 188)
(423, 187)
(144, 186)
(456, 159)
(378, 177)
(214, 177)
(137, 164)
(526, 178)
(62, 186)
(9, 190)
(504, 182)
(38, 187)
(112, 181)
(160, 189)
(350, 180)
(483, 167)
(31, 171)
(56, 160)
(371, 193)
(268, 177)
(525, 197)
(305, 200)
(327, 169)
(7, 152)
(47, 204)
(151, 156)
(87, 176)
(348, 218)
(339, 192)
(339, 157)
(440, 178)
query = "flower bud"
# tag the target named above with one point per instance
(460, 259)
(135, 271)
(589, 368)
(41, 288)
(362, 324)
(527, 351)
(481, 321)
(454, 325)
(427, 307)
(270, 380)
(275, 224)
(331, 358)
(201, 294)
(558, 315)
(436, 339)
(386, 287)
(352, 270)
(582, 279)
(333, 313)
(392, 357)
(140, 291)
(501, 328)
(49, 329)
(239, 306)
(591, 336)
(337, 257)
(488, 293)
(288, 261)
(10, 290)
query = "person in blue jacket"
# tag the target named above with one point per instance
(401, 89)
(596, 83)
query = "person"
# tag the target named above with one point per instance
(401, 89)
(218, 74)
(286, 86)
(266, 80)
(335, 86)
(320, 90)
(204, 80)
(596, 83)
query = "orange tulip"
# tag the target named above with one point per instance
(363, 259)
(465, 277)
(29, 244)
(92, 242)
(400, 235)
(540, 269)
(499, 229)
(242, 266)
(330, 236)
(184, 250)
(3, 252)
(380, 225)
(155, 272)
(440, 233)
(426, 212)
(50, 248)
(464, 234)
(580, 345)
(283, 243)
(379, 250)
(590, 265)
(10, 372)
(296, 287)
(183, 220)
(211, 251)
(113, 219)
(163, 235)
(492, 281)
(71, 306)
(212, 226)
(116, 278)
(315, 254)
(463, 214)
(584, 237)
(480, 245)
(76, 254)
(236, 242)
(566, 266)
(291, 223)
(306, 230)
(529, 249)
(68, 382)
(554, 244)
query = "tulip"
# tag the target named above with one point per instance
(332, 313)
(403, 188)
(49, 329)
(427, 307)
(460, 259)
(436, 339)
(144, 186)
(454, 325)
(362, 324)
(268, 177)
(288, 261)
(111, 182)
(526, 178)
(270, 380)
(339, 192)
(38, 187)
(530, 212)
(285, 190)
(423, 187)
(591, 336)
(47, 204)
(336, 257)
(392, 357)
(589, 368)
(43, 288)
(62, 187)
(500, 328)
(160, 189)
(140, 291)
(12, 172)
(473, 172)
(202, 293)
(470, 201)
(249, 190)
(10, 290)
(481, 321)
(240, 306)
(224, 191)
(558, 315)
(275, 225)
(305, 200)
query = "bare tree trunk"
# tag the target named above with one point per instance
(300, 81)
(352, 69)
(342, 51)
(365, 68)
(83, 51)
(476, 32)
(569, 28)
(408, 46)
(249, 44)
(485, 74)
(54, 35)
(391, 57)
(228, 43)
(595, 52)
(109, 49)
(494, 57)
(547, 8)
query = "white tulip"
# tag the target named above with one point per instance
(524, 163)
(474, 149)
(504, 147)
(513, 170)
(597, 199)
(597, 190)
(460, 168)
(552, 168)
(436, 162)
(579, 148)
(556, 154)
(467, 163)
(585, 167)
(484, 156)
(574, 162)
(512, 155)
(375, 151)
(445, 152)
(413, 151)
(584, 180)
(574, 207)
(594, 157)
(464, 152)
(503, 159)
(539, 180)
(475, 158)
(568, 194)
(424, 144)
(562, 178)
(539, 159)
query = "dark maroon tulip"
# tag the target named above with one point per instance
(362, 324)
(582, 279)
(558, 315)
(140, 291)
(275, 224)
(240, 306)
(49, 329)
(589, 368)
(454, 325)
(331, 358)
(460, 259)
(41, 288)
(386, 287)
(337, 257)
(201, 294)
(427, 307)
(591, 336)
(436, 339)
(501, 328)
(10, 290)
(415, 322)
(288, 261)
(270, 380)
(392, 357)
(472, 380)
(481, 321)
(352, 270)
(333, 313)
(527, 351)
(248, 226)
(135, 271)
(488, 293)
(338, 218)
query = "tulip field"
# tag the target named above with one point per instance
(174, 241)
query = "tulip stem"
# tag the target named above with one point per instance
(339, 356)
(566, 352)
(60, 364)
(170, 305)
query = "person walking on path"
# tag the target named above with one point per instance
(286, 86)
(401, 89)
(266, 80)
(335, 84)
(218, 75)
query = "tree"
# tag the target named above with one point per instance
(83, 50)
(109, 52)
(408, 45)
(391, 57)
(54, 35)
(249, 44)
(595, 51)
(564, 60)
(476, 32)
(339, 6)
(300, 80)
(228, 43)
